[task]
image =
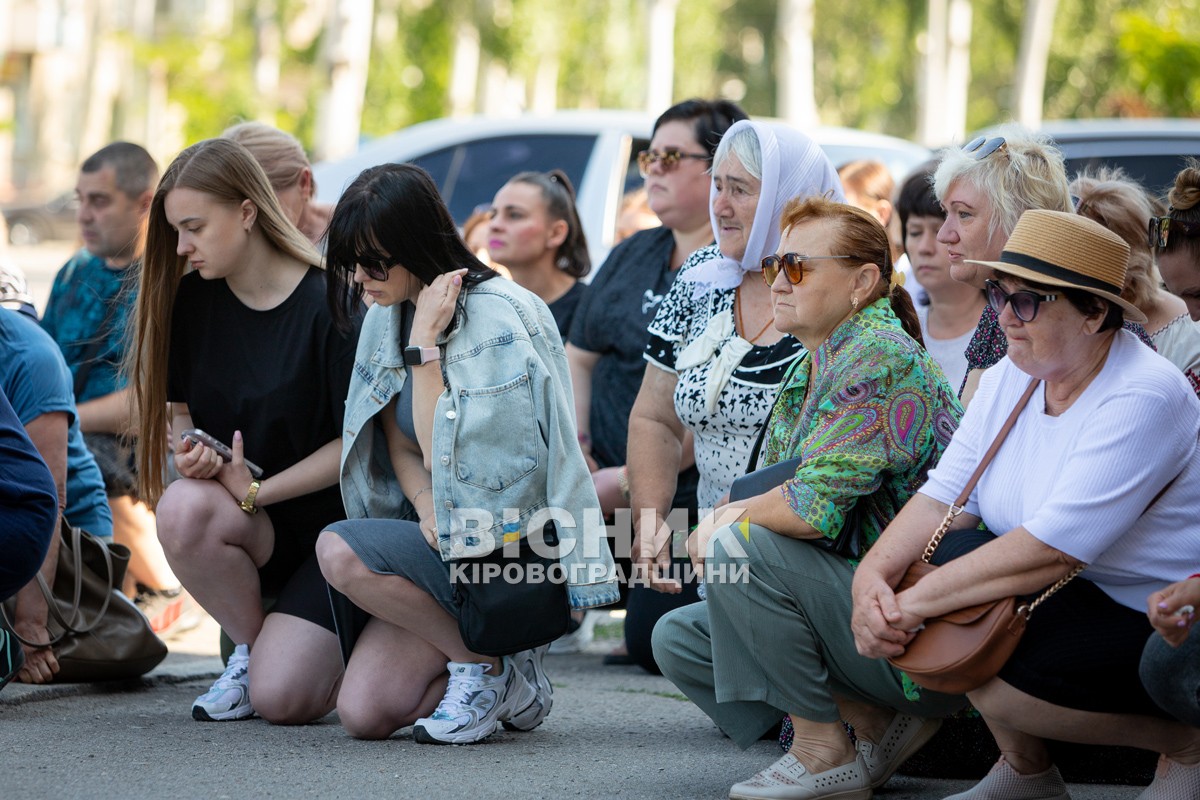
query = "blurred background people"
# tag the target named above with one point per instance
(635, 214)
(868, 184)
(1122, 205)
(475, 234)
(89, 314)
(535, 232)
(951, 313)
(1176, 239)
(608, 338)
(282, 157)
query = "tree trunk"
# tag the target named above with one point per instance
(464, 68)
(660, 52)
(266, 61)
(347, 55)
(1031, 61)
(958, 71)
(796, 101)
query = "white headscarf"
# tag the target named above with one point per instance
(793, 165)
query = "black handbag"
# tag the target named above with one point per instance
(96, 632)
(848, 542)
(509, 602)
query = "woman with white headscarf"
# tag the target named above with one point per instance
(715, 359)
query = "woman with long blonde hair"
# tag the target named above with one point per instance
(234, 337)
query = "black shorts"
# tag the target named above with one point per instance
(114, 456)
(306, 595)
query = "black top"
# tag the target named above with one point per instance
(279, 376)
(564, 308)
(612, 320)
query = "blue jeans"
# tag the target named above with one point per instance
(1171, 676)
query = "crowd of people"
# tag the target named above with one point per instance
(305, 420)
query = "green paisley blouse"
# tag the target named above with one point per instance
(876, 417)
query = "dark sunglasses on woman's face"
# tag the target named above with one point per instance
(1160, 230)
(669, 158)
(375, 270)
(1024, 302)
(792, 265)
(981, 147)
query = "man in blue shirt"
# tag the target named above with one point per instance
(90, 309)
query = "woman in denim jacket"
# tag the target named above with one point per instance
(459, 436)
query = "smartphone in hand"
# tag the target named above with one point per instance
(197, 436)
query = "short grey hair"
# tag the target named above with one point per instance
(1028, 173)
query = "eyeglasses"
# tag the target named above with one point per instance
(981, 147)
(670, 158)
(1160, 230)
(792, 265)
(1024, 303)
(374, 269)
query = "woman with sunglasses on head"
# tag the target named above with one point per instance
(233, 331)
(1100, 472)
(608, 337)
(460, 401)
(1120, 204)
(715, 359)
(1175, 238)
(536, 234)
(866, 411)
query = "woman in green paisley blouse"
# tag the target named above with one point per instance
(867, 411)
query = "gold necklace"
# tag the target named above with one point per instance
(737, 315)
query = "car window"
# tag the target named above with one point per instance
(1156, 173)
(469, 174)
(633, 178)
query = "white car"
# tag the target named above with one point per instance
(471, 158)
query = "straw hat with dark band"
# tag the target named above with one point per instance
(1060, 249)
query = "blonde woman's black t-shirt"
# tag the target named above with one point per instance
(279, 376)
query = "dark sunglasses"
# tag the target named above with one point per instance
(792, 265)
(981, 147)
(375, 270)
(1024, 303)
(669, 158)
(1160, 230)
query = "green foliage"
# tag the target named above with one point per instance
(1158, 59)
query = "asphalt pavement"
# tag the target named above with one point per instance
(614, 732)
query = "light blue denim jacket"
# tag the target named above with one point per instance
(504, 437)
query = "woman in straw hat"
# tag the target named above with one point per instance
(1091, 475)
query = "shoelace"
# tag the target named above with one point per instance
(458, 690)
(229, 678)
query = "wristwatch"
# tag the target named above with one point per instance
(248, 505)
(416, 356)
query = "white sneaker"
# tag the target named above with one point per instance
(474, 703)
(229, 697)
(529, 664)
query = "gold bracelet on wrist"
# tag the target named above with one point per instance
(418, 494)
(249, 505)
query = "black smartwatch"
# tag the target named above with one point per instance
(416, 356)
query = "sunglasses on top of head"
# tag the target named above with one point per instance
(1024, 302)
(981, 147)
(792, 265)
(1160, 230)
(669, 158)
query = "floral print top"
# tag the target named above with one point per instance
(725, 384)
(869, 414)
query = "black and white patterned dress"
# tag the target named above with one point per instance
(724, 417)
